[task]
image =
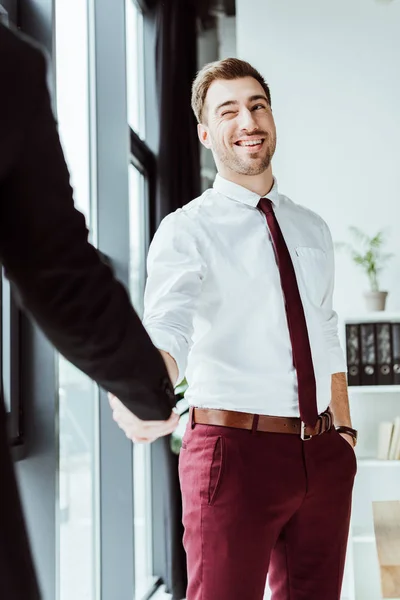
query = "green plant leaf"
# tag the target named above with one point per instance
(359, 235)
(359, 260)
(377, 240)
(367, 253)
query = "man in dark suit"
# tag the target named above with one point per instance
(62, 282)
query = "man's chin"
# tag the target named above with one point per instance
(260, 158)
(253, 167)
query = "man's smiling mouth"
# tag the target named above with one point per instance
(251, 145)
(250, 142)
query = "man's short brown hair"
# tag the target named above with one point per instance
(229, 68)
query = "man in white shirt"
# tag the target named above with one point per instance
(239, 299)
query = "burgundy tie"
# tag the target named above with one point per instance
(301, 349)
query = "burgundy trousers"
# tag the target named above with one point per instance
(265, 503)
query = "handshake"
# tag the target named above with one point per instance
(137, 430)
(145, 431)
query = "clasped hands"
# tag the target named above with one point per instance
(137, 430)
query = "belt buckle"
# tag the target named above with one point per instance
(304, 436)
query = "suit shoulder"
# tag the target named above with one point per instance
(23, 88)
(23, 68)
(21, 58)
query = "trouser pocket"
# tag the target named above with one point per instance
(216, 469)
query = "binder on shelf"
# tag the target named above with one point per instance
(396, 352)
(368, 354)
(353, 354)
(385, 433)
(394, 449)
(384, 360)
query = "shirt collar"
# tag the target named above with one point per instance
(241, 194)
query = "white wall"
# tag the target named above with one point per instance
(334, 71)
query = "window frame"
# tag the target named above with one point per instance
(113, 146)
(10, 318)
(143, 158)
(147, 154)
(10, 364)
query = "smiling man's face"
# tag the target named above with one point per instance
(238, 126)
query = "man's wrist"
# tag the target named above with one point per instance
(171, 366)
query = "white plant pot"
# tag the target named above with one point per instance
(375, 300)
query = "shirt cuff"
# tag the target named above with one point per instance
(178, 349)
(337, 360)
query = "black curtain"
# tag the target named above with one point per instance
(178, 169)
(170, 555)
(178, 182)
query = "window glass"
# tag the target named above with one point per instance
(134, 65)
(78, 404)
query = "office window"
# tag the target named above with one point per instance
(144, 578)
(78, 406)
(141, 180)
(4, 17)
(138, 230)
(10, 317)
(134, 65)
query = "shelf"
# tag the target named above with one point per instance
(362, 535)
(375, 389)
(372, 317)
(375, 462)
(363, 539)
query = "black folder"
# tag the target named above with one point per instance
(368, 354)
(396, 352)
(384, 357)
(353, 354)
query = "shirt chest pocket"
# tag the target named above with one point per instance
(313, 268)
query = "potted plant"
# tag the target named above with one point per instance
(366, 252)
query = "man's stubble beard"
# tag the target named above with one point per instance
(251, 166)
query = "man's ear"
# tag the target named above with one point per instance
(204, 136)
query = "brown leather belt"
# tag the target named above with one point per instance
(265, 423)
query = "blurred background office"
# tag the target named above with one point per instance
(104, 516)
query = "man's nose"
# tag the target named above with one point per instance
(247, 121)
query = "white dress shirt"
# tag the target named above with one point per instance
(214, 300)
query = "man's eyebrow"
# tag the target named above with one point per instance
(258, 97)
(235, 102)
(227, 103)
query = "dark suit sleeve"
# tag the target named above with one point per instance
(69, 291)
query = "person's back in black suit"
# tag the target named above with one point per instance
(70, 292)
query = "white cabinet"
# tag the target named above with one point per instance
(376, 479)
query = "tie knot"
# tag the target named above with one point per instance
(266, 206)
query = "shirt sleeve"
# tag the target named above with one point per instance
(176, 271)
(330, 321)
